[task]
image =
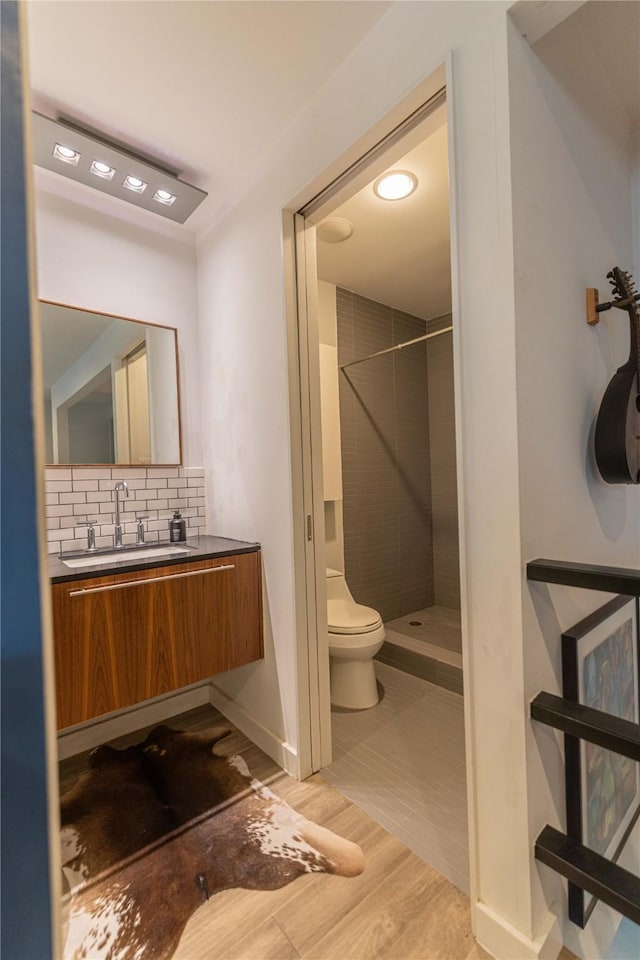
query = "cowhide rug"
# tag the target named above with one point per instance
(151, 832)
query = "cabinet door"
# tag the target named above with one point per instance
(126, 638)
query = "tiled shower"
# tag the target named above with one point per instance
(399, 484)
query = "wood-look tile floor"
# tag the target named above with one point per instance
(399, 908)
(403, 763)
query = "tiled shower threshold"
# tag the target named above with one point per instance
(427, 644)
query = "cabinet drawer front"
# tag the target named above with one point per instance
(137, 583)
(129, 637)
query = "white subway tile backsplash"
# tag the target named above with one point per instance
(87, 492)
(163, 471)
(73, 498)
(85, 485)
(92, 473)
(57, 486)
(129, 473)
(66, 510)
(57, 473)
(158, 525)
(80, 509)
(59, 534)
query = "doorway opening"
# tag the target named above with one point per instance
(382, 492)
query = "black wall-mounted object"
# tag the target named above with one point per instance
(589, 576)
(617, 434)
(591, 875)
(591, 872)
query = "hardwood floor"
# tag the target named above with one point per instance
(399, 908)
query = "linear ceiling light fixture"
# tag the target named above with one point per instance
(88, 158)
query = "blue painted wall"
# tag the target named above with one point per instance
(25, 932)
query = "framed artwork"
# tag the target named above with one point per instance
(600, 669)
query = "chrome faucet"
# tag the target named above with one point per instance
(117, 530)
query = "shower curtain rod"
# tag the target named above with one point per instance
(400, 346)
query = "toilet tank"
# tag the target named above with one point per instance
(337, 588)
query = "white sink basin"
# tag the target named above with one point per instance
(99, 559)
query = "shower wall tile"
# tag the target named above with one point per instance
(385, 458)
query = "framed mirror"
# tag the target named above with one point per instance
(111, 389)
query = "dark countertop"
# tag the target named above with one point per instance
(201, 548)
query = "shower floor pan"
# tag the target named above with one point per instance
(426, 644)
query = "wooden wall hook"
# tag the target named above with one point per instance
(593, 299)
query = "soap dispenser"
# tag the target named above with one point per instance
(177, 528)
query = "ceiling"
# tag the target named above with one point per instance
(205, 87)
(209, 87)
(399, 251)
(612, 30)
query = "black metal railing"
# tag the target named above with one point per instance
(586, 870)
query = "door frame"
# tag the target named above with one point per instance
(302, 311)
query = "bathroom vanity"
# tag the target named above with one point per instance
(132, 628)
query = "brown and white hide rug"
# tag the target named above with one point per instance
(152, 831)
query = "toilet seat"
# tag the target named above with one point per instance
(347, 618)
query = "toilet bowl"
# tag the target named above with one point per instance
(356, 633)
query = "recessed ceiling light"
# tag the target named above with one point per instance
(66, 154)
(334, 230)
(135, 184)
(101, 169)
(163, 196)
(395, 185)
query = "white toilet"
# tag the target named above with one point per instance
(356, 633)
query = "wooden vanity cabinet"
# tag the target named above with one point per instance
(127, 637)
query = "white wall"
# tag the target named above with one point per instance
(89, 259)
(572, 161)
(244, 384)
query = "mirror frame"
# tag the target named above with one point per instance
(144, 323)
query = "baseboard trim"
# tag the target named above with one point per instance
(280, 751)
(503, 941)
(88, 735)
